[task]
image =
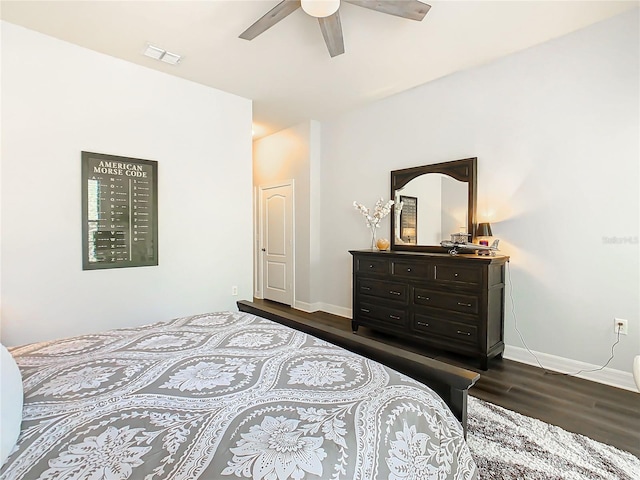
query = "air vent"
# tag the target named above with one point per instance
(162, 55)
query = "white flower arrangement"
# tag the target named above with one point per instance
(380, 211)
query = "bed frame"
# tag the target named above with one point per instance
(451, 383)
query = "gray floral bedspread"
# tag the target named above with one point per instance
(225, 396)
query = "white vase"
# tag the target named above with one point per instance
(636, 370)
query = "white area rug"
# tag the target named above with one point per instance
(507, 445)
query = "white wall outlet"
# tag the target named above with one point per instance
(620, 325)
(234, 290)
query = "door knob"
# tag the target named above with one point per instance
(263, 249)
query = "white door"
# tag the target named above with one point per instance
(276, 207)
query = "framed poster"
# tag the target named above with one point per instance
(119, 211)
(409, 220)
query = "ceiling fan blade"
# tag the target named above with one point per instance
(273, 16)
(332, 33)
(411, 9)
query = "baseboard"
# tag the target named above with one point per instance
(607, 376)
(322, 307)
(335, 310)
(306, 307)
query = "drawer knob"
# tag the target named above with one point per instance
(408, 269)
(462, 304)
(464, 333)
(370, 265)
(395, 317)
(420, 297)
(394, 293)
(455, 274)
(423, 324)
(364, 310)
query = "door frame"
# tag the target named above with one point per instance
(259, 231)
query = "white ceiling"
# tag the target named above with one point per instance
(287, 70)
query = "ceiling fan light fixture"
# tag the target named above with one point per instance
(320, 8)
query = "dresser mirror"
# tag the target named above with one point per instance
(438, 200)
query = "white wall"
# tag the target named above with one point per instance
(59, 99)
(556, 132)
(293, 154)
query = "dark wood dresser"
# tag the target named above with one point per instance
(452, 303)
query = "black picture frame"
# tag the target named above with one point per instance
(119, 211)
(409, 220)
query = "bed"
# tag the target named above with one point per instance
(228, 395)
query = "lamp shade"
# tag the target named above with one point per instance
(484, 230)
(320, 8)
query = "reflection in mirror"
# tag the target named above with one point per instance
(407, 226)
(443, 209)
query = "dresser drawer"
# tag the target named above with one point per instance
(382, 315)
(372, 265)
(462, 332)
(387, 290)
(448, 301)
(411, 269)
(430, 325)
(458, 275)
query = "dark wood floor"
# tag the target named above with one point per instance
(606, 414)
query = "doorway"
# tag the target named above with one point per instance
(276, 242)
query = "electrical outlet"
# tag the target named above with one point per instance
(620, 325)
(234, 291)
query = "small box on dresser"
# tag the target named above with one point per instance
(451, 303)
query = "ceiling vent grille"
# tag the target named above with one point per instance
(162, 55)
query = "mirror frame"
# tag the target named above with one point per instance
(464, 170)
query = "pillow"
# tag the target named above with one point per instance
(11, 396)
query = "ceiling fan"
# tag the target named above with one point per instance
(328, 17)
